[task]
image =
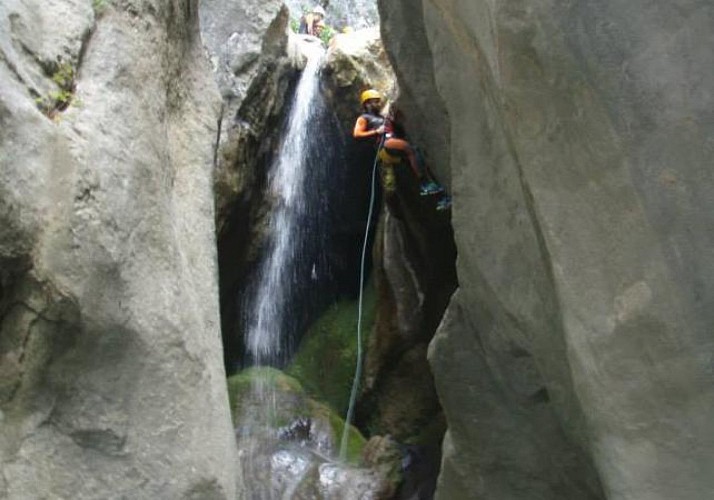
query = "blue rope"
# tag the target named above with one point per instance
(358, 368)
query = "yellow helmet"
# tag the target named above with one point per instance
(369, 94)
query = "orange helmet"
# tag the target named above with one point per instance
(369, 94)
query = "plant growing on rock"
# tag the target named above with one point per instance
(99, 6)
(59, 99)
(326, 34)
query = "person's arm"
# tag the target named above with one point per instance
(361, 132)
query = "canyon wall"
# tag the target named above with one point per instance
(575, 359)
(110, 355)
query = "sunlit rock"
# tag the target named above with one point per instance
(110, 356)
(356, 61)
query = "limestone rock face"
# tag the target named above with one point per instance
(356, 61)
(110, 355)
(419, 100)
(248, 46)
(575, 359)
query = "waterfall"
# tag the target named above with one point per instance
(292, 265)
(287, 443)
(278, 279)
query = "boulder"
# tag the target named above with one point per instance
(289, 443)
(326, 358)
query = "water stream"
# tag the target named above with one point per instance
(278, 277)
(291, 262)
(288, 443)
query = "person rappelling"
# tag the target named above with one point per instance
(392, 147)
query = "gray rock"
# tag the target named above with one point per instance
(236, 34)
(110, 349)
(289, 443)
(575, 361)
(249, 48)
(357, 14)
(420, 102)
(356, 61)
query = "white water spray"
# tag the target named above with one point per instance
(268, 311)
(265, 341)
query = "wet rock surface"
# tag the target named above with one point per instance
(288, 444)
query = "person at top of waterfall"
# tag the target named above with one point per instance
(372, 125)
(319, 28)
(310, 21)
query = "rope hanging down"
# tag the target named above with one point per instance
(358, 368)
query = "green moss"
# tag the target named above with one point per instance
(355, 440)
(325, 362)
(63, 77)
(240, 391)
(288, 402)
(328, 32)
(100, 6)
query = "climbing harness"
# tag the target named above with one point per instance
(389, 181)
(358, 368)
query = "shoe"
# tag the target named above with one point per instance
(430, 188)
(444, 203)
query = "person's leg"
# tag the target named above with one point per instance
(398, 146)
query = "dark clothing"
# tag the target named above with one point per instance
(366, 127)
(373, 121)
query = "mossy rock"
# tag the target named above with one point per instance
(290, 396)
(326, 359)
(288, 403)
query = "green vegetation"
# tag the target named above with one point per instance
(290, 392)
(288, 402)
(100, 6)
(61, 98)
(326, 34)
(355, 440)
(325, 362)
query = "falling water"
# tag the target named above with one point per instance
(266, 341)
(283, 450)
(280, 279)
